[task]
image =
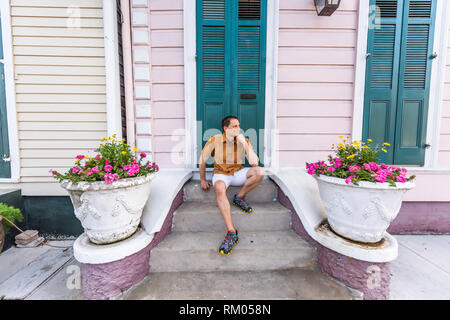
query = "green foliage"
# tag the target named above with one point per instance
(11, 213)
(114, 160)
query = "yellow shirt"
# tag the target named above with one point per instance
(228, 155)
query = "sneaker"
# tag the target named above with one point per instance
(230, 240)
(240, 202)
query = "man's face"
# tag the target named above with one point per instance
(233, 128)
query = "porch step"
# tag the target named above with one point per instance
(203, 216)
(256, 251)
(265, 192)
(247, 285)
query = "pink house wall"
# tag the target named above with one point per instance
(316, 72)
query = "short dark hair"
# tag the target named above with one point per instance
(226, 121)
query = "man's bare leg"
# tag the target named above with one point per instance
(254, 177)
(224, 204)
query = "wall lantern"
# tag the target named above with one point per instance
(326, 7)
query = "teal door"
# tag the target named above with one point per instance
(5, 165)
(398, 70)
(231, 59)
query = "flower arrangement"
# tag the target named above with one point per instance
(115, 160)
(359, 161)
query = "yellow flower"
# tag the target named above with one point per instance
(383, 149)
(78, 160)
(370, 140)
(341, 145)
(386, 144)
(135, 149)
(351, 156)
(366, 147)
(340, 137)
(103, 139)
(124, 152)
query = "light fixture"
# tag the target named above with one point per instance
(326, 7)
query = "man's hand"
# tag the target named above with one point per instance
(240, 138)
(205, 185)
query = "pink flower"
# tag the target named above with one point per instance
(107, 162)
(89, 173)
(97, 157)
(311, 169)
(331, 169)
(143, 155)
(108, 168)
(109, 178)
(337, 163)
(156, 168)
(149, 166)
(353, 168)
(401, 179)
(116, 177)
(76, 169)
(80, 156)
(347, 181)
(95, 169)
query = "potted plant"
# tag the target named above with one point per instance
(9, 213)
(109, 190)
(361, 196)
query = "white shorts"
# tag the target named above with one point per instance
(237, 179)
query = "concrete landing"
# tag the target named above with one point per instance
(274, 285)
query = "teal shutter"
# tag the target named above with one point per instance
(5, 166)
(213, 54)
(397, 78)
(231, 60)
(414, 82)
(248, 70)
(382, 75)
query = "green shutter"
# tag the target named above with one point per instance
(213, 52)
(5, 166)
(414, 82)
(382, 74)
(231, 59)
(248, 72)
(397, 78)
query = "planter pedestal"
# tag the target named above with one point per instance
(107, 270)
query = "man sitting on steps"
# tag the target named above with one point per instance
(228, 149)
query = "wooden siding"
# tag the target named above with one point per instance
(316, 67)
(60, 85)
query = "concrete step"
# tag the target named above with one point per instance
(295, 284)
(256, 251)
(204, 216)
(266, 191)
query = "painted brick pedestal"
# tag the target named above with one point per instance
(372, 279)
(102, 281)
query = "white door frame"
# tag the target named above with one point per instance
(190, 81)
(436, 84)
(10, 93)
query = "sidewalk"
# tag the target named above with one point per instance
(421, 271)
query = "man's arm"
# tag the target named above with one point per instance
(249, 152)
(205, 154)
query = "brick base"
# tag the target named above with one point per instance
(105, 280)
(370, 278)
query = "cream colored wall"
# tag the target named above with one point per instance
(60, 86)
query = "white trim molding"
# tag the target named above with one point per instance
(190, 84)
(436, 84)
(10, 93)
(192, 130)
(111, 42)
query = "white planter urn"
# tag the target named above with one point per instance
(109, 212)
(361, 213)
